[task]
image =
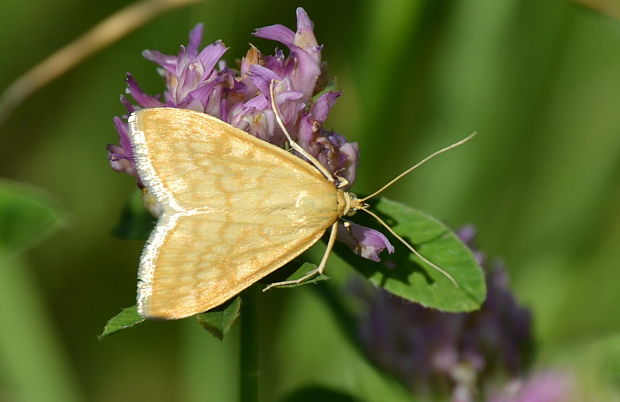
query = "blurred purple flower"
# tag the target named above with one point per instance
(439, 354)
(546, 386)
(199, 80)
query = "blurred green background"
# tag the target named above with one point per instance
(539, 81)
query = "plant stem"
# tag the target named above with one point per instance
(98, 37)
(249, 347)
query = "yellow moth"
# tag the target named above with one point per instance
(235, 208)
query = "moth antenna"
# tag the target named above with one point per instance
(410, 247)
(293, 144)
(417, 165)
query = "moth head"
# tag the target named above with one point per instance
(355, 204)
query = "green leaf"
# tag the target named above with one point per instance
(404, 275)
(219, 320)
(27, 215)
(305, 268)
(127, 318)
(136, 223)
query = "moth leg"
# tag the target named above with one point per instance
(328, 250)
(314, 161)
(319, 270)
(342, 182)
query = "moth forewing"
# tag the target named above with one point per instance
(236, 208)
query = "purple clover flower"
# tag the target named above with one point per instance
(364, 242)
(439, 354)
(199, 80)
